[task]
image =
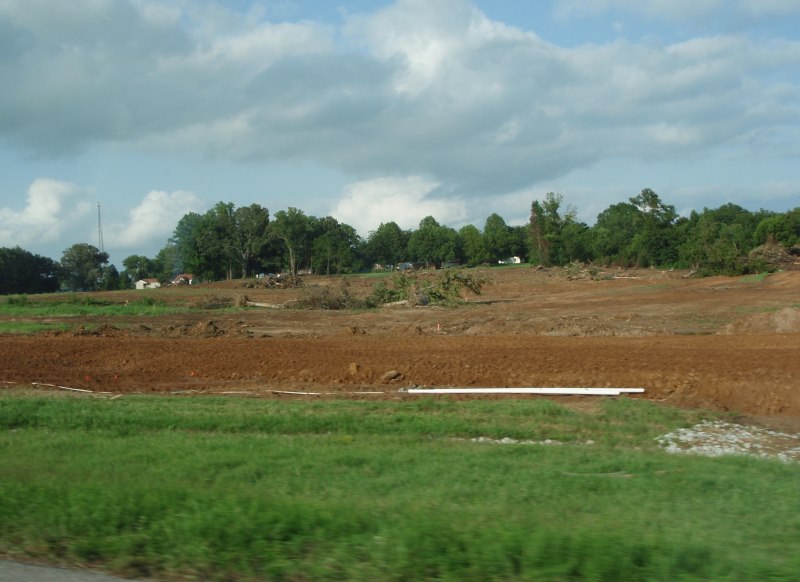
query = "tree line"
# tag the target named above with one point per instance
(227, 242)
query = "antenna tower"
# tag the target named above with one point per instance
(100, 230)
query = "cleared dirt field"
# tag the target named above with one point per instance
(731, 344)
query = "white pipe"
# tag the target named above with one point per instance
(551, 391)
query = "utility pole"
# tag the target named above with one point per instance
(100, 230)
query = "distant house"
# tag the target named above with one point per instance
(183, 279)
(147, 284)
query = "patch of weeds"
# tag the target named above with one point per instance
(83, 299)
(214, 302)
(19, 300)
(755, 278)
(147, 301)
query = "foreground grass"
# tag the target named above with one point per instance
(248, 489)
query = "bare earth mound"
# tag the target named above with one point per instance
(726, 343)
(786, 320)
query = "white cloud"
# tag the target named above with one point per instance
(52, 209)
(366, 204)
(416, 88)
(153, 220)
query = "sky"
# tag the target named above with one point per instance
(375, 111)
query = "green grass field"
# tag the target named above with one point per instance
(242, 489)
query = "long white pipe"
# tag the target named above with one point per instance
(551, 391)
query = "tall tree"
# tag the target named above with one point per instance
(555, 236)
(24, 272)
(612, 235)
(432, 243)
(540, 245)
(291, 226)
(110, 279)
(167, 264)
(221, 221)
(497, 238)
(138, 267)
(334, 246)
(82, 266)
(654, 243)
(387, 244)
(186, 253)
(472, 247)
(249, 233)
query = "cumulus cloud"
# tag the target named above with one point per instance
(416, 88)
(53, 208)
(153, 220)
(366, 204)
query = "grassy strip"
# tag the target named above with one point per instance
(28, 328)
(242, 489)
(69, 309)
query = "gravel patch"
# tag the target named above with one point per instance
(716, 438)
(510, 441)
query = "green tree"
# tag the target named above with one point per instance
(186, 247)
(138, 267)
(334, 246)
(781, 228)
(433, 243)
(24, 272)
(654, 242)
(224, 242)
(220, 224)
(387, 244)
(249, 234)
(473, 251)
(291, 226)
(556, 237)
(611, 237)
(166, 264)
(716, 241)
(82, 266)
(110, 279)
(497, 238)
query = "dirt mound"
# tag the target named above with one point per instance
(104, 330)
(786, 320)
(206, 329)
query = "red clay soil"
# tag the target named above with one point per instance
(724, 343)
